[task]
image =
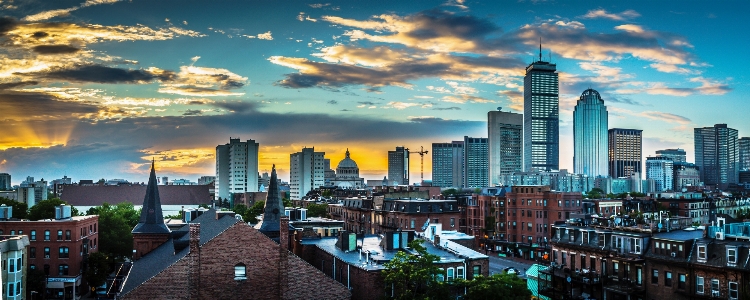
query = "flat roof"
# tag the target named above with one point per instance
(680, 235)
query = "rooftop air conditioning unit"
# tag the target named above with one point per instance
(720, 235)
(674, 254)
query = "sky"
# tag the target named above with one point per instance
(95, 89)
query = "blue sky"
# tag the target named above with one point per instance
(95, 89)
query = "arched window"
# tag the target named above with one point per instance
(240, 272)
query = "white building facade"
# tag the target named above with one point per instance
(236, 168)
(306, 172)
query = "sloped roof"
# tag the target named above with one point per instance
(152, 220)
(77, 195)
(164, 256)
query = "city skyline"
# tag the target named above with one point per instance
(96, 89)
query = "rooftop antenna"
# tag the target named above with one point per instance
(540, 48)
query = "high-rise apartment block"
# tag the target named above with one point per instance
(541, 117)
(447, 164)
(590, 135)
(686, 174)
(742, 143)
(625, 152)
(236, 168)
(476, 162)
(306, 172)
(660, 169)
(717, 154)
(5, 182)
(677, 155)
(398, 166)
(505, 138)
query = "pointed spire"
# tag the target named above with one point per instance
(347, 153)
(152, 219)
(274, 208)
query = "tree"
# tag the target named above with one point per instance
(252, 213)
(97, 269)
(449, 192)
(20, 209)
(415, 276)
(45, 209)
(595, 193)
(115, 226)
(317, 210)
(286, 202)
(509, 285)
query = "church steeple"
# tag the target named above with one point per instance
(152, 219)
(273, 210)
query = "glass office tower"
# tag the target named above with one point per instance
(541, 120)
(717, 154)
(590, 135)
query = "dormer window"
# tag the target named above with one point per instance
(571, 235)
(731, 256)
(701, 253)
(240, 272)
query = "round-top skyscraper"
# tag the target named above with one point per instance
(590, 135)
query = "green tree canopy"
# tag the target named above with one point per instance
(115, 225)
(45, 209)
(450, 192)
(317, 210)
(20, 209)
(510, 286)
(97, 269)
(415, 276)
(250, 214)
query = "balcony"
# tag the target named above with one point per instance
(623, 286)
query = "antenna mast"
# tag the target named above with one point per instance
(540, 48)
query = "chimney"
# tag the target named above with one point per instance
(284, 232)
(437, 240)
(195, 237)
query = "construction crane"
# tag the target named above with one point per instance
(421, 163)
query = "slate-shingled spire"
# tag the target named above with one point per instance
(152, 219)
(273, 209)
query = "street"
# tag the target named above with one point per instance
(497, 264)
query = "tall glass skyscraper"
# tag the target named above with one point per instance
(590, 135)
(717, 154)
(541, 117)
(744, 145)
(476, 162)
(505, 139)
(447, 164)
(398, 166)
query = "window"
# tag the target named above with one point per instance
(715, 288)
(46, 235)
(46, 252)
(453, 222)
(667, 278)
(12, 232)
(655, 276)
(59, 235)
(681, 281)
(699, 285)
(33, 235)
(64, 252)
(412, 223)
(32, 252)
(702, 253)
(62, 270)
(67, 235)
(240, 272)
(11, 290)
(19, 264)
(615, 268)
(451, 274)
(733, 293)
(477, 271)
(11, 265)
(731, 256)
(460, 272)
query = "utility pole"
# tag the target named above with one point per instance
(421, 163)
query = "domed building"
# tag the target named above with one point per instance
(347, 174)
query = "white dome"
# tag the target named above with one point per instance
(347, 162)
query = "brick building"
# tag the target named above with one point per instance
(359, 266)
(374, 216)
(215, 256)
(58, 247)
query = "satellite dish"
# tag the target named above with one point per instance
(499, 108)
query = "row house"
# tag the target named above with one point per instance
(700, 210)
(364, 215)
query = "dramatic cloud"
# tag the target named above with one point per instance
(601, 13)
(707, 87)
(201, 81)
(103, 74)
(45, 15)
(39, 106)
(55, 49)
(34, 34)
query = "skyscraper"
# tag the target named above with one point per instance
(661, 170)
(306, 172)
(447, 164)
(505, 138)
(236, 168)
(476, 162)
(625, 152)
(541, 128)
(398, 166)
(677, 155)
(744, 148)
(4, 182)
(717, 154)
(590, 135)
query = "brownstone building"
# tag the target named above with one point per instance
(59, 247)
(367, 215)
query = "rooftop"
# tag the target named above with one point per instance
(680, 235)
